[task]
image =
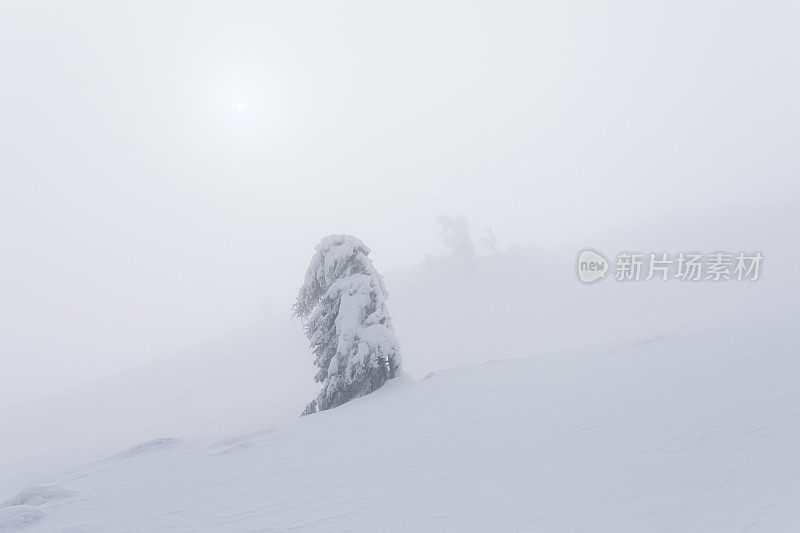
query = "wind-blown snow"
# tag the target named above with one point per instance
(147, 447)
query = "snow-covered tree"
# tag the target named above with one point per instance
(489, 241)
(343, 307)
(454, 232)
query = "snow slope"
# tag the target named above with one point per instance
(692, 431)
(691, 425)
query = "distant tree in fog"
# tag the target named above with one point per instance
(343, 307)
(454, 232)
(490, 242)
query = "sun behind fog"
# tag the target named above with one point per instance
(240, 106)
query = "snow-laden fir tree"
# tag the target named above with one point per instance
(343, 307)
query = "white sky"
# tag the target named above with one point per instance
(140, 211)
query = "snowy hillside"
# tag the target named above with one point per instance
(399, 266)
(687, 431)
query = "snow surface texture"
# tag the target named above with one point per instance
(681, 432)
(343, 306)
(683, 428)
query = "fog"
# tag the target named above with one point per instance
(166, 169)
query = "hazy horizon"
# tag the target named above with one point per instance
(167, 169)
